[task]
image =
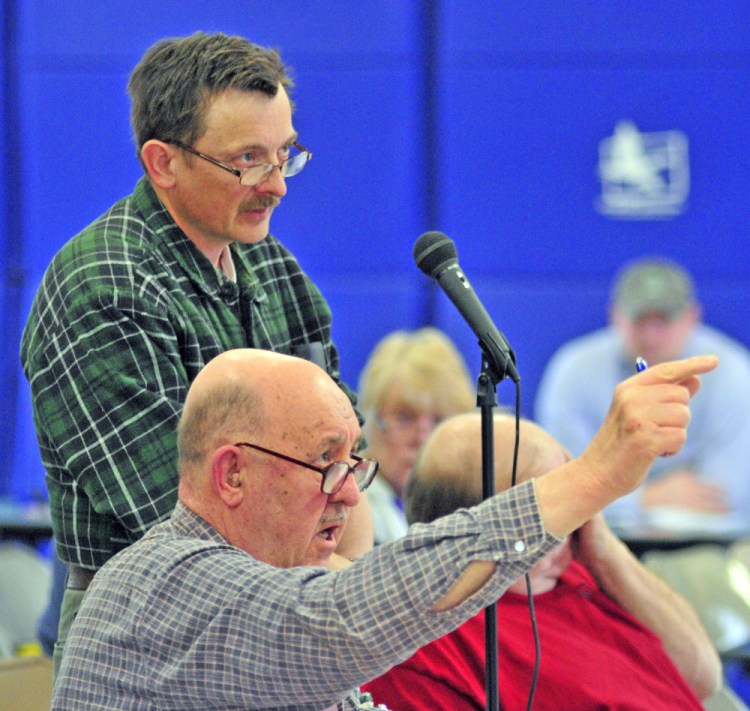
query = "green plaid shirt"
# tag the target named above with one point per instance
(127, 314)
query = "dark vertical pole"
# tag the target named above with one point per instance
(428, 107)
(11, 240)
(486, 388)
(487, 401)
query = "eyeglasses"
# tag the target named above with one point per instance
(334, 475)
(260, 172)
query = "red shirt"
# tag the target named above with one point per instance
(594, 656)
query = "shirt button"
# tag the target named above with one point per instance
(519, 546)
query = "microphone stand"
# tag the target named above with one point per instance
(487, 400)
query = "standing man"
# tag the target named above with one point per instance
(183, 269)
(654, 314)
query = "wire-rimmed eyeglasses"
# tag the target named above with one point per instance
(259, 172)
(334, 475)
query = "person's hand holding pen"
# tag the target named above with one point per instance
(682, 487)
(647, 418)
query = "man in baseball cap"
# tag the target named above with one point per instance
(654, 314)
(654, 308)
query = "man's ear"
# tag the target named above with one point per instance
(157, 158)
(227, 475)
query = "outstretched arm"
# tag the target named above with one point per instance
(622, 576)
(648, 418)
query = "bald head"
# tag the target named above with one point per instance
(254, 425)
(448, 473)
(246, 394)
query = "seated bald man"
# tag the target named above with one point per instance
(612, 634)
(232, 603)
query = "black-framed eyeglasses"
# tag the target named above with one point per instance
(334, 475)
(260, 172)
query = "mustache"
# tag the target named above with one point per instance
(260, 203)
(337, 517)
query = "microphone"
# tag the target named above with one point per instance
(435, 254)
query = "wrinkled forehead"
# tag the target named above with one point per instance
(320, 410)
(342, 408)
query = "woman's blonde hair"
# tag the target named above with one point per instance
(427, 367)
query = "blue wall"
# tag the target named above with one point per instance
(482, 119)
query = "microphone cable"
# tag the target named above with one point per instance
(529, 592)
(537, 644)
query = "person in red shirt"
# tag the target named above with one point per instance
(613, 636)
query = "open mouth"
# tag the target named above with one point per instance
(332, 523)
(328, 534)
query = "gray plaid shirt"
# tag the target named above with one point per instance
(183, 620)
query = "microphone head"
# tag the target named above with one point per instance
(434, 251)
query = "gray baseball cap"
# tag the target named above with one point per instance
(653, 286)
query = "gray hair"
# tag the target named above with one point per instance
(221, 416)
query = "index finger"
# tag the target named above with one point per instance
(676, 371)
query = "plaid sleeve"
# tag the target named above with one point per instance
(188, 621)
(109, 366)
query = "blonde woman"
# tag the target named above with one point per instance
(412, 381)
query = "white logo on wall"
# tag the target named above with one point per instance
(643, 175)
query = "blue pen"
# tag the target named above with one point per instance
(640, 365)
